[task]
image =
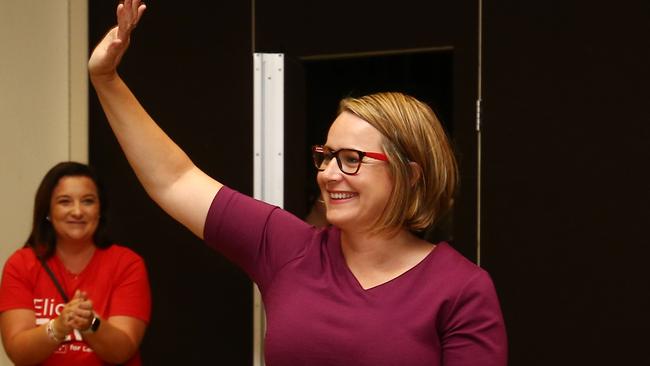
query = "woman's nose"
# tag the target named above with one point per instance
(332, 170)
(76, 209)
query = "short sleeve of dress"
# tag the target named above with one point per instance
(475, 332)
(258, 237)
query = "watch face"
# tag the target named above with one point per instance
(95, 324)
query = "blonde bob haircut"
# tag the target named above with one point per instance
(421, 160)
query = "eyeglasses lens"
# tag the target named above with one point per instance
(320, 158)
(347, 160)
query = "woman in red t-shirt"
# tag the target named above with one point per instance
(70, 297)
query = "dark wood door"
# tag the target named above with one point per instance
(566, 141)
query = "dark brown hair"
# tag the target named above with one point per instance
(43, 237)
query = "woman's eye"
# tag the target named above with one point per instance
(350, 158)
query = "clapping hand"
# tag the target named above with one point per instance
(79, 312)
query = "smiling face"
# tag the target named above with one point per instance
(74, 209)
(354, 202)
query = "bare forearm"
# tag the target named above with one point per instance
(111, 344)
(31, 347)
(156, 159)
(165, 171)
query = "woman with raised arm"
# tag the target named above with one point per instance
(366, 290)
(70, 296)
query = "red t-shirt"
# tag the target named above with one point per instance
(115, 280)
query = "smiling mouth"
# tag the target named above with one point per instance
(341, 195)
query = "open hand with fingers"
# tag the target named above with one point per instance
(108, 53)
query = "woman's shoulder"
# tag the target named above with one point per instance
(455, 265)
(231, 210)
(118, 251)
(24, 255)
(22, 261)
(459, 280)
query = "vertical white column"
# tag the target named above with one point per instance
(268, 158)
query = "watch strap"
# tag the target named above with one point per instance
(94, 325)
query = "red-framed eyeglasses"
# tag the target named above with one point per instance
(348, 160)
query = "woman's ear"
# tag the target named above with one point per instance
(416, 173)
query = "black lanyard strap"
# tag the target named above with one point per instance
(53, 277)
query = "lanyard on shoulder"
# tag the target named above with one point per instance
(53, 277)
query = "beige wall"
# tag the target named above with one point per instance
(43, 104)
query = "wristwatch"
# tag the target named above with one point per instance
(94, 325)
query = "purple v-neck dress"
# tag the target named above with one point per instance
(443, 311)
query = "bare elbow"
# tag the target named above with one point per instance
(19, 358)
(121, 356)
(13, 353)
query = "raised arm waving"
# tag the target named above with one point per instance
(166, 172)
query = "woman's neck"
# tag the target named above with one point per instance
(366, 244)
(375, 259)
(75, 256)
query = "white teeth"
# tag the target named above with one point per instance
(340, 196)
